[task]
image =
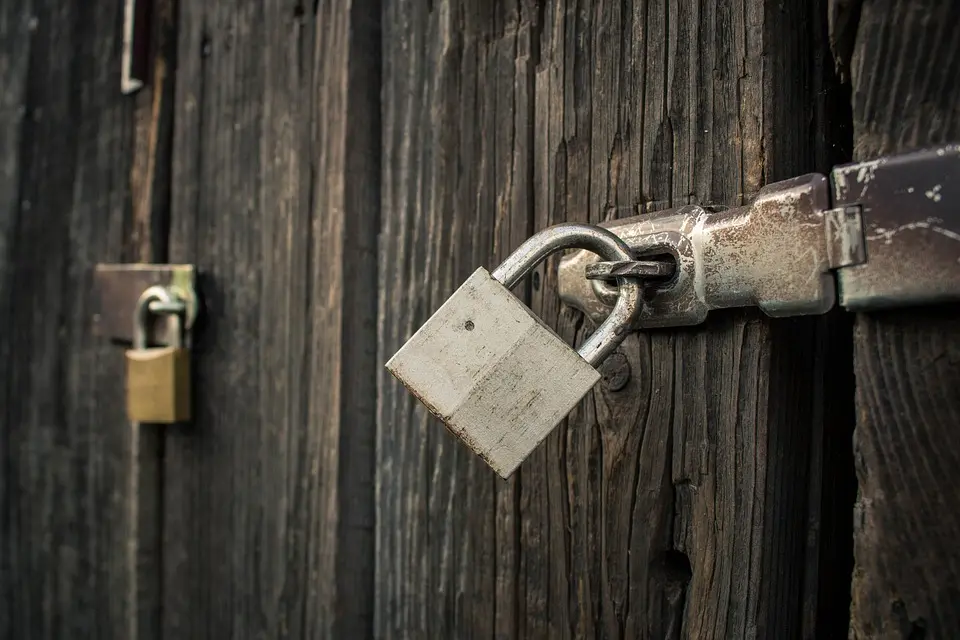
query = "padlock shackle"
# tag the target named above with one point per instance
(608, 246)
(141, 312)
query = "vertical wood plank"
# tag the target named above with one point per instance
(68, 504)
(268, 494)
(905, 72)
(456, 194)
(675, 503)
(146, 241)
(15, 41)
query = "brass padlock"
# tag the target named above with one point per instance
(158, 379)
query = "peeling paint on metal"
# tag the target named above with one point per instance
(930, 224)
(912, 231)
(934, 193)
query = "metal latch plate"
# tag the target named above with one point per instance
(911, 215)
(118, 287)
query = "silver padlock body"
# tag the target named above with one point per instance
(493, 372)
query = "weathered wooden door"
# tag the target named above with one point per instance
(335, 170)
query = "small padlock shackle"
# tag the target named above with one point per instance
(604, 243)
(142, 310)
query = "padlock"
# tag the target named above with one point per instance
(158, 379)
(492, 371)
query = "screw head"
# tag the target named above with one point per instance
(615, 371)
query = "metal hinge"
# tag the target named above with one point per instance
(887, 234)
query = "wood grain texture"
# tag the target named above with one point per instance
(675, 504)
(906, 87)
(268, 494)
(145, 240)
(69, 557)
(456, 195)
(14, 62)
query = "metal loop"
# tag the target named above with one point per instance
(177, 307)
(642, 269)
(608, 246)
(155, 299)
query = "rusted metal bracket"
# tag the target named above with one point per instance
(118, 288)
(890, 237)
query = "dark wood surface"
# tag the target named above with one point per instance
(702, 491)
(684, 503)
(72, 562)
(268, 494)
(906, 87)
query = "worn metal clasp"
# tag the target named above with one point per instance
(891, 236)
(775, 254)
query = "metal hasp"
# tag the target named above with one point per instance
(118, 288)
(773, 254)
(891, 236)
